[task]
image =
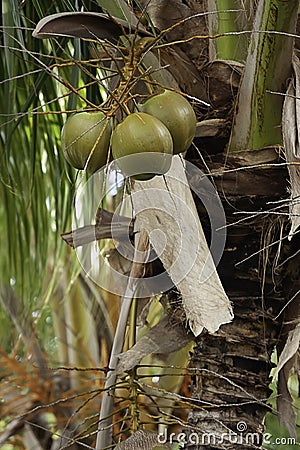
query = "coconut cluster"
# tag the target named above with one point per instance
(143, 143)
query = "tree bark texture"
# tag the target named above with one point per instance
(232, 367)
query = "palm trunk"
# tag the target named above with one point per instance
(232, 367)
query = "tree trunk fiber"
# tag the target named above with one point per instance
(232, 367)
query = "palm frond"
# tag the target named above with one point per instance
(36, 184)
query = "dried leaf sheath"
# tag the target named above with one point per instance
(185, 255)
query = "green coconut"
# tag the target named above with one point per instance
(176, 113)
(85, 140)
(142, 146)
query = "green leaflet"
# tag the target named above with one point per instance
(119, 8)
(35, 189)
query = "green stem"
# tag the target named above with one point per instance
(134, 407)
(230, 18)
(132, 323)
(258, 114)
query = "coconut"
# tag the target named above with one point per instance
(85, 140)
(142, 146)
(176, 113)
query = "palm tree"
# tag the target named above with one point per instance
(234, 62)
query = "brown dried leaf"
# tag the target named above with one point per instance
(163, 338)
(211, 128)
(185, 73)
(223, 81)
(90, 25)
(142, 440)
(185, 22)
(107, 225)
(164, 13)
